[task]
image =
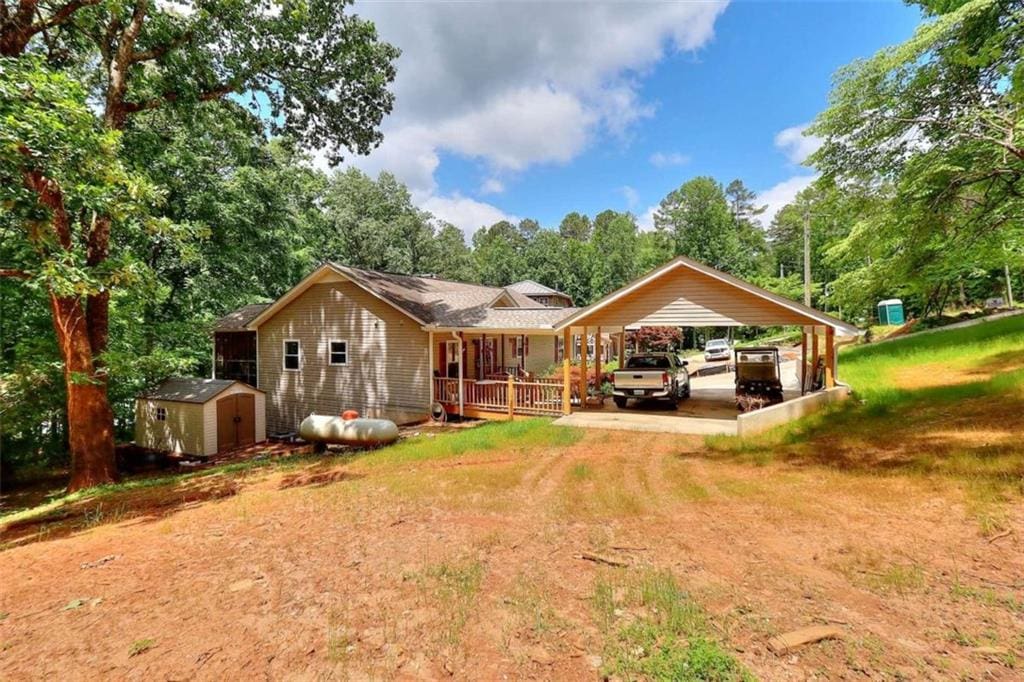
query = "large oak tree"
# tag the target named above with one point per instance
(315, 72)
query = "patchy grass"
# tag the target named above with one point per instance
(947, 405)
(453, 587)
(654, 630)
(140, 646)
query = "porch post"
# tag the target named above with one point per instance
(583, 368)
(511, 398)
(566, 374)
(462, 388)
(430, 365)
(830, 357)
(598, 358)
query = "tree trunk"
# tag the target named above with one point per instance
(90, 419)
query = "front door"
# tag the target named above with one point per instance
(236, 421)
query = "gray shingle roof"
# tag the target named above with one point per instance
(508, 318)
(528, 287)
(237, 319)
(435, 301)
(188, 389)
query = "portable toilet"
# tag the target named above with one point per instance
(890, 311)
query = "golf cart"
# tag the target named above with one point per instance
(758, 379)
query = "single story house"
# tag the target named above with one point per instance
(391, 345)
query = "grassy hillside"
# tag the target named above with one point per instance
(948, 405)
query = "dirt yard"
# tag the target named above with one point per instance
(467, 563)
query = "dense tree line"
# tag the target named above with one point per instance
(147, 191)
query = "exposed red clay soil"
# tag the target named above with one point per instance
(427, 570)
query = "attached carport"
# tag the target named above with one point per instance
(685, 293)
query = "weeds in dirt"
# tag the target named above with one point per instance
(872, 571)
(339, 642)
(140, 646)
(581, 471)
(96, 516)
(655, 630)
(988, 597)
(453, 586)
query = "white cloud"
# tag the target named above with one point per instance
(492, 186)
(645, 221)
(776, 197)
(796, 145)
(664, 159)
(467, 214)
(631, 195)
(518, 84)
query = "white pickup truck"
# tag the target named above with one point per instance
(651, 376)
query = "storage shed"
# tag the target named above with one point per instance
(200, 416)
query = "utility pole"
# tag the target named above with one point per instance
(807, 258)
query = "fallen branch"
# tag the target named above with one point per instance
(995, 537)
(601, 559)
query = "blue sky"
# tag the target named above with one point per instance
(534, 110)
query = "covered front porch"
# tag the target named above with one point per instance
(500, 374)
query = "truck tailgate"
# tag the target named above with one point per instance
(629, 379)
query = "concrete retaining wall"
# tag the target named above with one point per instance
(761, 420)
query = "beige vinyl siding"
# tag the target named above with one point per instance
(182, 432)
(541, 355)
(210, 417)
(684, 297)
(387, 372)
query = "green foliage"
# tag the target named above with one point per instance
(931, 128)
(665, 636)
(696, 219)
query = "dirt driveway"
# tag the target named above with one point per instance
(469, 567)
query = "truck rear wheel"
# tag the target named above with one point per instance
(620, 402)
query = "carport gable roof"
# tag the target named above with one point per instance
(768, 304)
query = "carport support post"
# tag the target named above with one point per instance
(566, 373)
(583, 368)
(622, 349)
(830, 357)
(803, 360)
(814, 354)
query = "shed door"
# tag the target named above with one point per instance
(236, 421)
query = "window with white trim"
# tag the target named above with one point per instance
(338, 352)
(161, 414)
(291, 355)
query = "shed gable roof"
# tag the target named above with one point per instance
(190, 389)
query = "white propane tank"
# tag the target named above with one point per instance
(320, 428)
